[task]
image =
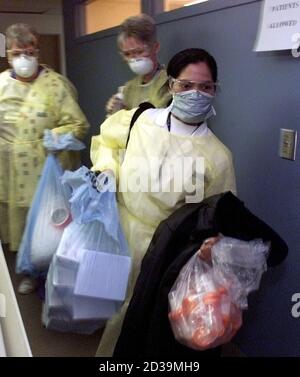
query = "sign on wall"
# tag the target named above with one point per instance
(279, 24)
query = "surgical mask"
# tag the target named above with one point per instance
(193, 106)
(141, 66)
(25, 66)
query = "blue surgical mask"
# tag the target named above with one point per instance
(192, 106)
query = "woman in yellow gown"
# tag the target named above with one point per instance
(32, 98)
(168, 150)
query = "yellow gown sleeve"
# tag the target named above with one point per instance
(70, 117)
(156, 92)
(107, 149)
(221, 175)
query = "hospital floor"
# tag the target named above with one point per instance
(46, 343)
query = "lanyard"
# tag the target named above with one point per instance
(169, 124)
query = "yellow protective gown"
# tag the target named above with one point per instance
(155, 91)
(150, 148)
(26, 109)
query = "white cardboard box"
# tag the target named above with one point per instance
(103, 275)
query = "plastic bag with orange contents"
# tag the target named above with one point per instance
(206, 301)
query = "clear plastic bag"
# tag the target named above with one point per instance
(242, 263)
(206, 301)
(48, 216)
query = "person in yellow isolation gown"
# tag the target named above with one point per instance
(139, 47)
(32, 98)
(172, 158)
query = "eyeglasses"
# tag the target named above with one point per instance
(18, 52)
(135, 52)
(184, 85)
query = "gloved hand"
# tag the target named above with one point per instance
(205, 250)
(102, 180)
(54, 141)
(114, 104)
(50, 141)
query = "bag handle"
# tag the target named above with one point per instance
(142, 107)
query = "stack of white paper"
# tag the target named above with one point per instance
(81, 295)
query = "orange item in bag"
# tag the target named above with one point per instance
(188, 305)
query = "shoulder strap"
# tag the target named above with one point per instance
(142, 107)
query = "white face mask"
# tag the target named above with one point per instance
(25, 66)
(141, 66)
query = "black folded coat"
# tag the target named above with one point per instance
(146, 331)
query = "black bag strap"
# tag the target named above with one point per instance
(142, 107)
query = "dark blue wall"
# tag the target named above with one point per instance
(260, 94)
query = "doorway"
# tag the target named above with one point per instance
(49, 53)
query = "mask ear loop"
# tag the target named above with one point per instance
(170, 84)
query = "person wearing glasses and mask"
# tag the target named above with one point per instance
(32, 98)
(139, 47)
(174, 150)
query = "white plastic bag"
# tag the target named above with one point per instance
(50, 212)
(46, 220)
(53, 216)
(88, 276)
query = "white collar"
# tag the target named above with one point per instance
(161, 119)
(162, 115)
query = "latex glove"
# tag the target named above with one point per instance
(205, 250)
(55, 140)
(109, 172)
(114, 104)
(104, 180)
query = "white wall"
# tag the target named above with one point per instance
(14, 334)
(44, 24)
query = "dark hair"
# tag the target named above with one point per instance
(191, 56)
